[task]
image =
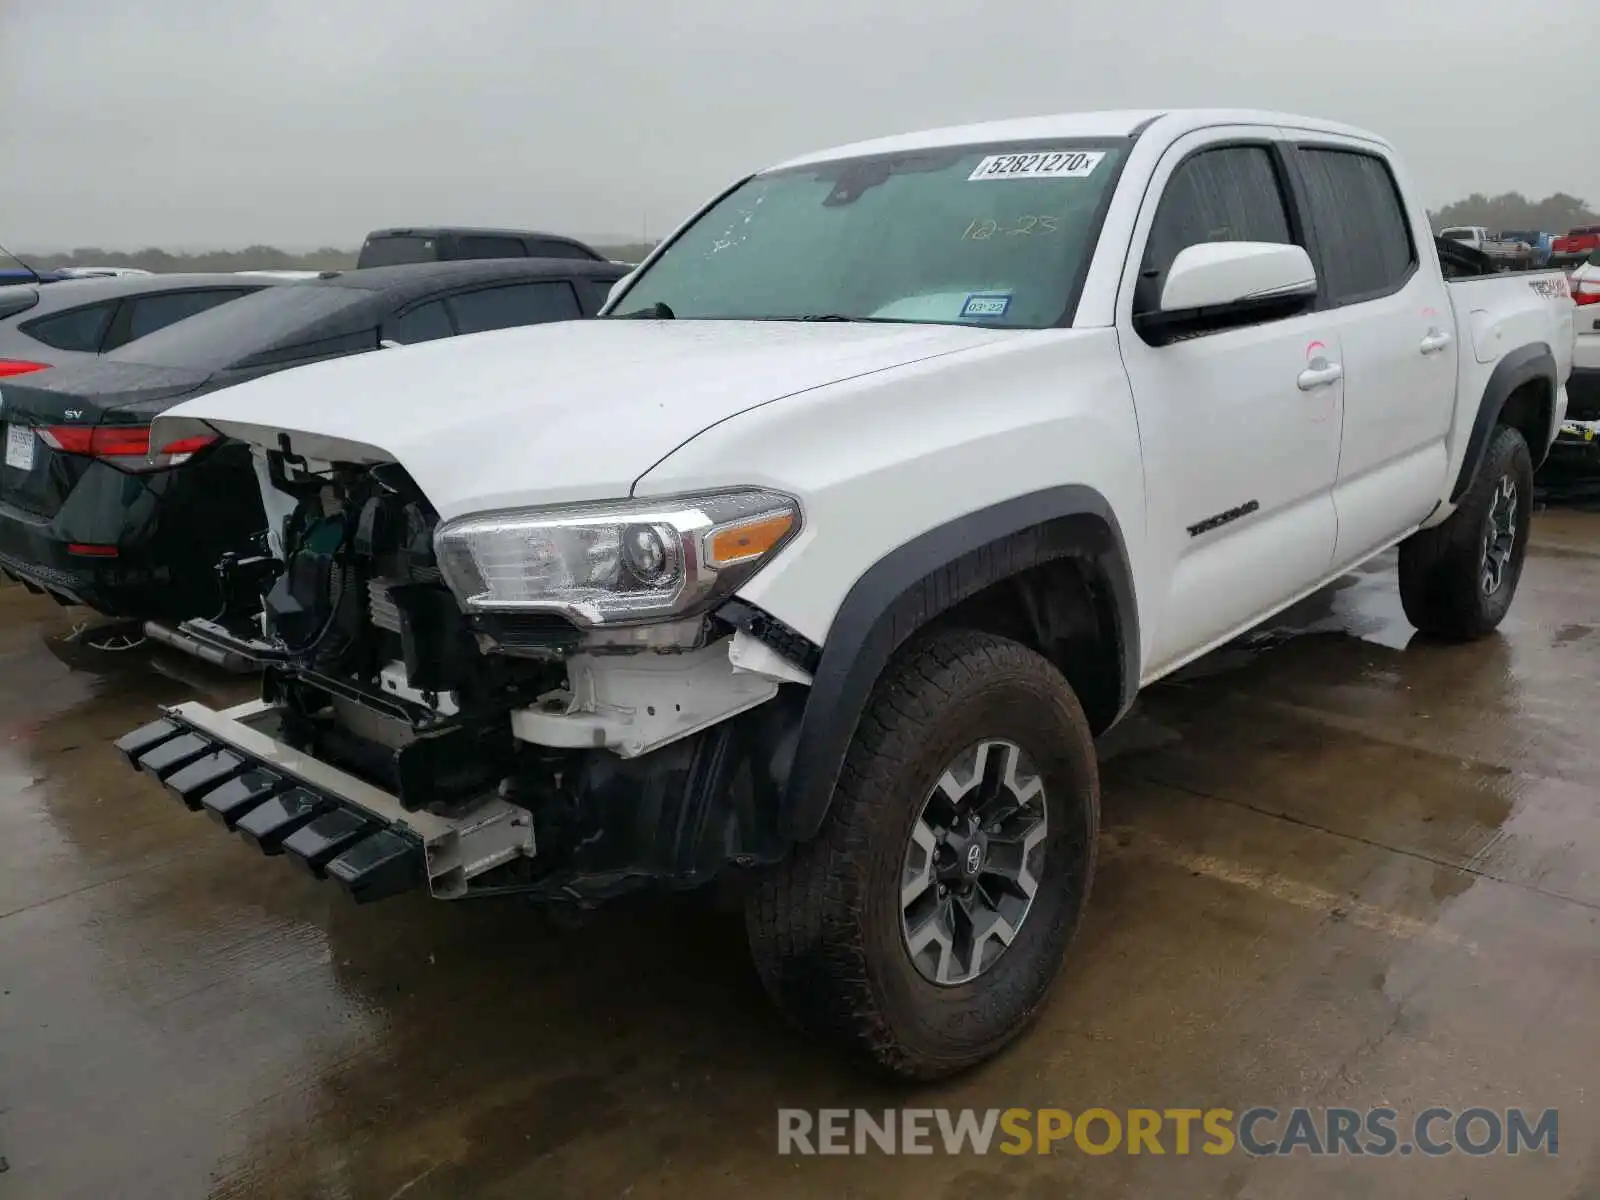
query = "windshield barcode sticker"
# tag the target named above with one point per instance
(1044, 164)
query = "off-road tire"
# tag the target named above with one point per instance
(1441, 568)
(825, 926)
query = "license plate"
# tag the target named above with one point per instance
(19, 447)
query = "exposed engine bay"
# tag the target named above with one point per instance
(633, 765)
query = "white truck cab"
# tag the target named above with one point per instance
(880, 489)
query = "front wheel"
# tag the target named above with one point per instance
(927, 920)
(1457, 580)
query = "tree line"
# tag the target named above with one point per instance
(251, 258)
(1512, 210)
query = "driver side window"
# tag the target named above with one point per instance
(1229, 194)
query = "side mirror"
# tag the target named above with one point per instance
(1217, 285)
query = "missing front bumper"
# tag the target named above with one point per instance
(335, 825)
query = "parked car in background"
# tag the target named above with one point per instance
(1577, 447)
(392, 247)
(1583, 389)
(100, 272)
(1538, 242)
(12, 275)
(823, 555)
(1512, 255)
(1572, 250)
(78, 319)
(88, 515)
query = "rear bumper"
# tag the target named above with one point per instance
(33, 552)
(333, 824)
(168, 530)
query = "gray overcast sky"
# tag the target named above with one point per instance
(218, 123)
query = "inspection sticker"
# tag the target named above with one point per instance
(986, 304)
(1041, 164)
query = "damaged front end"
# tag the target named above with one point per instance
(570, 705)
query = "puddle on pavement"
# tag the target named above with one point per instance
(1339, 865)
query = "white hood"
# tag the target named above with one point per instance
(571, 411)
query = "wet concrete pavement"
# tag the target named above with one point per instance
(1340, 867)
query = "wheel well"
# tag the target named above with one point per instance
(1062, 610)
(1527, 410)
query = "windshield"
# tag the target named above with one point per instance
(1457, 235)
(977, 235)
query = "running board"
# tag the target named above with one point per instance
(333, 824)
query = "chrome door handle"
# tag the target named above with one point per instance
(1435, 342)
(1314, 377)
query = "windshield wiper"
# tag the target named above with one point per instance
(843, 317)
(656, 312)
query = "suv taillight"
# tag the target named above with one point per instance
(19, 366)
(124, 446)
(1586, 291)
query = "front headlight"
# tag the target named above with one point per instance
(618, 563)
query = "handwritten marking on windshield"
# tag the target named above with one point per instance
(983, 228)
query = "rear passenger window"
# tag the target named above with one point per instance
(422, 324)
(1230, 194)
(550, 249)
(489, 247)
(518, 304)
(76, 329)
(1360, 222)
(150, 313)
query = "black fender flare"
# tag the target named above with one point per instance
(927, 576)
(1520, 366)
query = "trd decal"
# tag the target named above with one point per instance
(1222, 518)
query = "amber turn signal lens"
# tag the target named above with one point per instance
(748, 539)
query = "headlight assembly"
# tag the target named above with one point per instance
(619, 563)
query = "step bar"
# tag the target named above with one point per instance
(335, 825)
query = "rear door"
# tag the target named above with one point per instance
(511, 305)
(425, 322)
(1397, 331)
(1239, 427)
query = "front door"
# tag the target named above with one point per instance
(1239, 427)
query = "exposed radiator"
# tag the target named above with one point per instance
(381, 608)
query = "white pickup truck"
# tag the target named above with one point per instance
(1508, 252)
(887, 482)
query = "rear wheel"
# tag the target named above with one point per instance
(1457, 580)
(926, 922)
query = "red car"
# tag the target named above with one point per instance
(1581, 240)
